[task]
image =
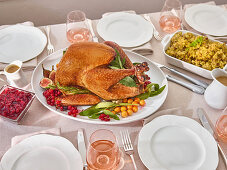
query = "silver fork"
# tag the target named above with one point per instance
(128, 145)
(156, 33)
(50, 47)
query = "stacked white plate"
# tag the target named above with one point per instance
(42, 152)
(19, 42)
(177, 143)
(127, 30)
(207, 19)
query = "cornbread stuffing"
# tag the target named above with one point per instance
(198, 50)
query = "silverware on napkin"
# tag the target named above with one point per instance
(94, 38)
(191, 79)
(127, 144)
(50, 47)
(156, 33)
(202, 117)
(82, 147)
(143, 51)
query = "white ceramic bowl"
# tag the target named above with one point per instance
(182, 64)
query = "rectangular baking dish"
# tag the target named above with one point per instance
(182, 64)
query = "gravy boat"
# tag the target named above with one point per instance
(216, 93)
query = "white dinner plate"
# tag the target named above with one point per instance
(207, 19)
(127, 30)
(19, 42)
(42, 152)
(172, 142)
(152, 103)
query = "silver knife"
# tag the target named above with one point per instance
(191, 79)
(82, 147)
(190, 86)
(202, 117)
(94, 38)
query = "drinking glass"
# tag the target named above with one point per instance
(77, 28)
(170, 19)
(221, 128)
(103, 152)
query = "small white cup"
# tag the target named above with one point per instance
(17, 78)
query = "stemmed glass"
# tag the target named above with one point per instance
(103, 152)
(170, 19)
(77, 28)
(221, 127)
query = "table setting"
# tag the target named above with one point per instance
(126, 91)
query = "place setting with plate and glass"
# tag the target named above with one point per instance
(127, 91)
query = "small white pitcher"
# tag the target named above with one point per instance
(17, 78)
(216, 93)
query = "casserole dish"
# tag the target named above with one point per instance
(182, 64)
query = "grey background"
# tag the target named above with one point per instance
(44, 12)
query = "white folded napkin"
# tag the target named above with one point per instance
(17, 139)
(173, 111)
(28, 65)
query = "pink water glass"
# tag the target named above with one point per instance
(77, 29)
(103, 152)
(221, 128)
(170, 18)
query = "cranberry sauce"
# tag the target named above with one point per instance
(14, 102)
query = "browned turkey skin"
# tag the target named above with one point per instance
(85, 64)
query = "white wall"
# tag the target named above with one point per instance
(44, 12)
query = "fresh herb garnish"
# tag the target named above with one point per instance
(107, 105)
(151, 90)
(199, 41)
(64, 51)
(136, 63)
(72, 90)
(128, 81)
(119, 63)
(106, 112)
(51, 86)
(93, 112)
(94, 116)
(114, 116)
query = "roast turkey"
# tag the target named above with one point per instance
(86, 64)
